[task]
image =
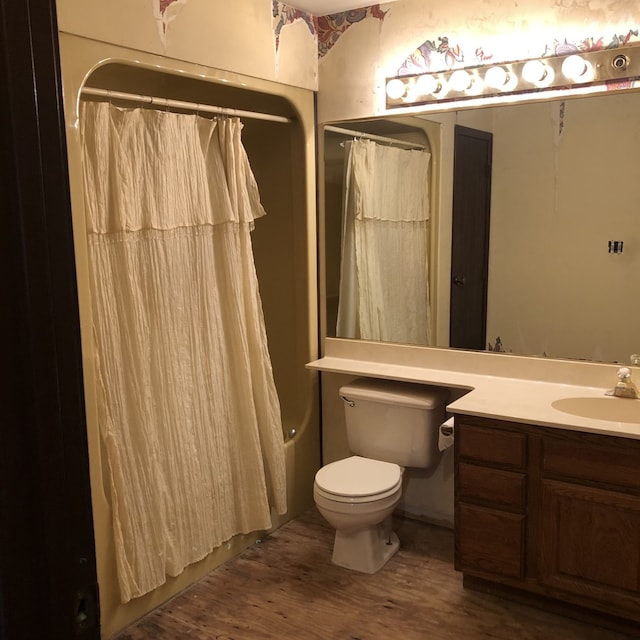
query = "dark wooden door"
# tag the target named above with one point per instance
(470, 238)
(48, 587)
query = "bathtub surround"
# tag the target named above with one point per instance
(281, 156)
(188, 411)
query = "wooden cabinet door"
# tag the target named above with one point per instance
(590, 545)
(489, 541)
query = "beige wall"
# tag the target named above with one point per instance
(557, 199)
(235, 36)
(559, 195)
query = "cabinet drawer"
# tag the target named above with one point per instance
(489, 541)
(507, 448)
(609, 461)
(493, 486)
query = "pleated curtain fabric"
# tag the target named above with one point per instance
(384, 278)
(188, 410)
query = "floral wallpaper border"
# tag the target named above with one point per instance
(331, 27)
(284, 15)
(326, 29)
(444, 55)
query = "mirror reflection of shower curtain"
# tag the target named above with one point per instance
(188, 411)
(384, 272)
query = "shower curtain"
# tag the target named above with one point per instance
(384, 274)
(188, 411)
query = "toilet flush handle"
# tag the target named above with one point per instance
(351, 403)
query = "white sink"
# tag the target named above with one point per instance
(604, 408)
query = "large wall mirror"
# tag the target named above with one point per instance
(563, 235)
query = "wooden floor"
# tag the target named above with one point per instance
(287, 588)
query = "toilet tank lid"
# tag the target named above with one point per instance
(407, 394)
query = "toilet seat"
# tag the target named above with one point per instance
(358, 479)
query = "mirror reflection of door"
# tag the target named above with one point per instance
(470, 237)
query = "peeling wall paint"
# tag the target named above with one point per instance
(237, 36)
(165, 11)
(284, 15)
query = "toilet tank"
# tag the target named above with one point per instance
(394, 421)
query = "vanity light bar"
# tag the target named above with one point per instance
(525, 76)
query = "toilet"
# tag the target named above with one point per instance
(390, 425)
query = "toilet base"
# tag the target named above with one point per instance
(365, 550)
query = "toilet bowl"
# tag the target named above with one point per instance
(357, 496)
(390, 425)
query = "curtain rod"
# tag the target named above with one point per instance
(371, 136)
(179, 104)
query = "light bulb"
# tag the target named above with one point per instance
(396, 88)
(575, 68)
(427, 84)
(534, 71)
(460, 80)
(496, 77)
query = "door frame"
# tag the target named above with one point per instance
(485, 208)
(48, 584)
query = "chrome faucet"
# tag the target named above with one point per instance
(624, 387)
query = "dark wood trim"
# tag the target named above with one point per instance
(581, 530)
(48, 585)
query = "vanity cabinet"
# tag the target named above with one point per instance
(549, 513)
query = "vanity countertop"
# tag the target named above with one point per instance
(528, 397)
